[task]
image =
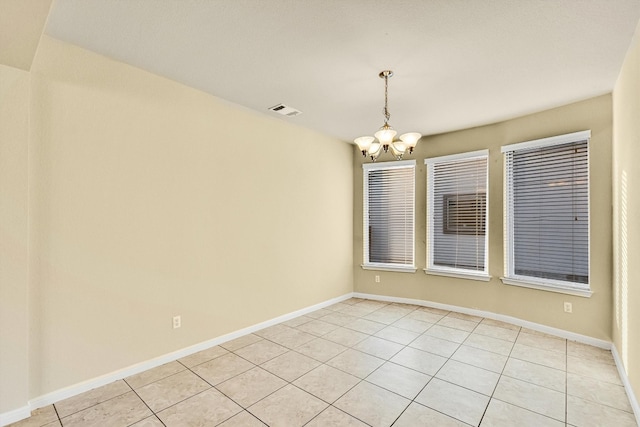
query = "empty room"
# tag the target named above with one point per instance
(319, 213)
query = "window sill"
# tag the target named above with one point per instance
(388, 267)
(459, 275)
(542, 287)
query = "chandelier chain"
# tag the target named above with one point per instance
(387, 116)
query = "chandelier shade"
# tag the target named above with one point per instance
(383, 139)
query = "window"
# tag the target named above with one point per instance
(389, 199)
(457, 215)
(547, 213)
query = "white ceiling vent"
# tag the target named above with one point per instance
(284, 110)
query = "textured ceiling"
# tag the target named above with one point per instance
(457, 63)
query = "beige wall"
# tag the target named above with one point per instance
(626, 216)
(591, 316)
(14, 137)
(151, 199)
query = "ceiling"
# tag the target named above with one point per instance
(457, 63)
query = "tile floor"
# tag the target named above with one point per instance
(367, 363)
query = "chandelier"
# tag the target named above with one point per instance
(385, 136)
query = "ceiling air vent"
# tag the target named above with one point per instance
(284, 110)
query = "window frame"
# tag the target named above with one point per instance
(510, 277)
(455, 271)
(366, 264)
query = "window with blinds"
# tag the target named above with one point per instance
(457, 214)
(388, 217)
(547, 211)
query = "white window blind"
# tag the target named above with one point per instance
(547, 211)
(457, 213)
(389, 199)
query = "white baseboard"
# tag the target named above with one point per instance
(15, 415)
(58, 395)
(625, 380)
(489, 315)
(64, 393)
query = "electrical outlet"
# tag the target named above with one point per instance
(377, 279)
(177, 322)
(568, 307)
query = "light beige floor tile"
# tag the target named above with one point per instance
(271, 331)
(288, 407)
(386, 317)
(425, 316)
(357, 310)
(417, 415)
(434, 345)
(596, 370)
(333, 417)
(470, 318)
(589, 352)
(502, 414)
(378, 347)
(290, 366)
(449, 334)
(91, 398)
(261, 351)
(353, 300)
(317, 327)
(203, 356)
(583, 413)
(365, 326)
(291, 339)
(419, 360)
(151, 375)
(251, 386)
(538, 333)
(327, 383)
(337, 306)
(297, 321)
(243, 419)
(397, 335)
(544, 376)
(455, 323)
(454, 401)
(373, 304)
(398, 379)
(548, 343)
(346, 337)
(222, 368)
(321, 349)
(372, 404)
(496, 332)
(480, 358)
(206, 409)
(598, 391)
(243, 341)
(171, 390)
(493, 345)
(498, 323)
(317, 314)
(152, 421)
(356, 363)
(413, 325)
(532, 397)
(471, 377)
(435, 311)
(549, 358)
(338, 318)
(120, 411)
(39, 417)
